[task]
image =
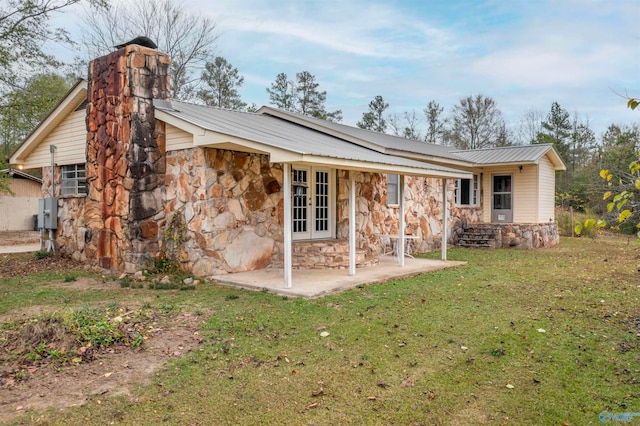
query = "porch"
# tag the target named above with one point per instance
(311, 283)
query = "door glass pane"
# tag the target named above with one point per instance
(502, 201)
(300, 194)
(322, 201)
(502, 184)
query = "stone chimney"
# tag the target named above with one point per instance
(125, 157)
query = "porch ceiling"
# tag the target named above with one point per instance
(312, 283)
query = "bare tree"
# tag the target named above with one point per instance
(530, 126)
(435, 123)
(477, 123)
(188, 38)
(24, 30)
(405, 125)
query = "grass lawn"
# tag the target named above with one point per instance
(546, 337)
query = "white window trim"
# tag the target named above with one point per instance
(395, 202)
(71, 183)
(310, 234)
(475, 192)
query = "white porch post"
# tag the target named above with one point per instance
(401, 222)
(352, 222)
(445, 227)
(286, 178)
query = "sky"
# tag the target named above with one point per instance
(525, 54)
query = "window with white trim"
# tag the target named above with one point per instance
(74, 180)
(393, 192)
(468, 191)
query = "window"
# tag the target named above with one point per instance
(393, 193)
(74, 180)
(468, 191)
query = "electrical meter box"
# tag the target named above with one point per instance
(48, 213)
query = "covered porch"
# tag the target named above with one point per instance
(311, 283)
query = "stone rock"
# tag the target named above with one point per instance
(187, 281)
(225, 220)
(248, 252)
(434, 224)
(165, 280)
(204, 267)
(235, 208)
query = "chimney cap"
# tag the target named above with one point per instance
(140, 41)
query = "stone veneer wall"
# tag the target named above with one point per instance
(125, 157)
(71, 235)
(524, 235)
(423, 211)
(232, 206)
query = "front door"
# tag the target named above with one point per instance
(502, 199)
(312, 203)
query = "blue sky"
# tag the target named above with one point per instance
(524, 54)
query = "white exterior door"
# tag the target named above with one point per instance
(313, 203)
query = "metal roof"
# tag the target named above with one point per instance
(277, 133)
(506, 155)
(20, 174)
(382, 140)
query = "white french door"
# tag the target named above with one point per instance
(313, 203)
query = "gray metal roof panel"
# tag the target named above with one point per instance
(382, 139)
(282, 134)
(503, 155)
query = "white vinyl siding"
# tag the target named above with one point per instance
(546, 190)
(525, 192)
(177, 139)
(70, 139)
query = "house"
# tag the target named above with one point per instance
(20, 205)
(138, 175)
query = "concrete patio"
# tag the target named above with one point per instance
(310, 283)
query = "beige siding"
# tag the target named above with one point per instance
(70, 140)
(177, 139)
(525, 192)
(25, 187)
(547, 190)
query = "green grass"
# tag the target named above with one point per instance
(439, 348)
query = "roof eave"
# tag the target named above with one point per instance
(428, 158)
(69, 102)
(208, 138)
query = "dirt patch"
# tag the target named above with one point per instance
(112, 372)
(12, 265)
(84, 283)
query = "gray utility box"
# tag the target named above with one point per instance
(48, 213)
